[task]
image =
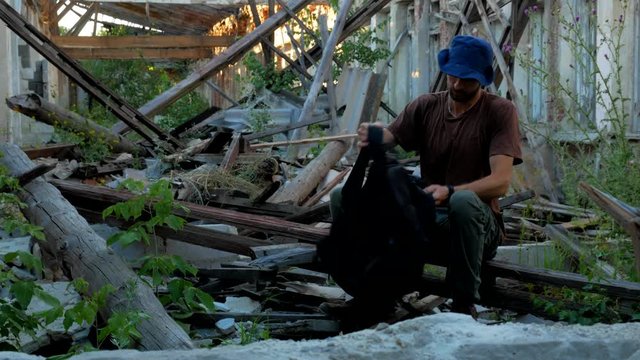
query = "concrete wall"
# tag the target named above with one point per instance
(19, 72)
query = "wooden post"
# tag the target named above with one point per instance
(81, 253)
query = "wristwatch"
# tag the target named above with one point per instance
(451, 190)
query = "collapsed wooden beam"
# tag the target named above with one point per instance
(625, 215)
(36, 107)
(307, 180)
(267, 224)
(81, 253)
(191, 234)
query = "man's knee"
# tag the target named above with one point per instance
(464, 203)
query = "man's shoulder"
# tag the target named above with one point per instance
(498, 102)
(430, 98)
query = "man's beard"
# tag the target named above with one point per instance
(463, 96)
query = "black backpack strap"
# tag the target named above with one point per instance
(354, 183)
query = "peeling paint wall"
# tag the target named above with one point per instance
(22, 70)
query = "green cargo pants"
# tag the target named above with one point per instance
(468, 233)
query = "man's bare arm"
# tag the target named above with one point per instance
(489, 187)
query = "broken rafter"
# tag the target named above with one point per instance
(233, 52)
(75, 30)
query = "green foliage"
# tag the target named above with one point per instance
(11, 219)
(600, 155)
(314, 131)
(252, 333)
(606, 159)
(259, 119)
(157, 203)
(139, 81)
(122, 328)
(187, 299)
(92, 148)
(14, 318)
(578, 307)
(86, 310)
(159, 268)
(363, 48)
(266, 76)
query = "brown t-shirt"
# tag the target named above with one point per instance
(456, 150)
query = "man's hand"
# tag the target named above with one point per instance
(440, 193)
(363, 133)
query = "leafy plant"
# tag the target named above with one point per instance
(157, 204)
(11, 219)
(122, 328)
(578, 307)
(266, 76)
(252, 333)
(86, 310)
(14, 318)
(187, 299)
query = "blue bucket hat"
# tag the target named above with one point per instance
(468, 57)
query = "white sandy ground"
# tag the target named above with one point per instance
(441, 336)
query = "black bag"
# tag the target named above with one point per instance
(377, 247)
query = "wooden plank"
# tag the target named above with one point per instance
(75, 30)
(625, 215)
(191, 234)
(328, 187)
(267, 224)
(128, 54)
(516, 198)
(324, 66)
(232, 152)
(304, 141)
(256, 21)
(232, 53)
(142, 41)
(55, 151)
